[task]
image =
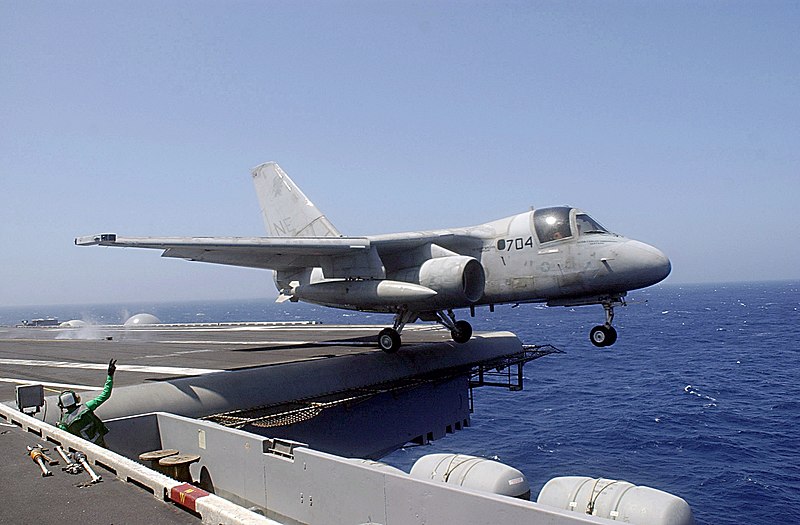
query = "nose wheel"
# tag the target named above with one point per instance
(605, 334)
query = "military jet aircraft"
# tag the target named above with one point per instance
(559, 255)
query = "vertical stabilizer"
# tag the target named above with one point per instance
(286, 210)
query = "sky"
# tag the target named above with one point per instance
(675, 123)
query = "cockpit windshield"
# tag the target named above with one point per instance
(587, 225)
(552, 224)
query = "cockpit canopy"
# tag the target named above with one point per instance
(553, 224)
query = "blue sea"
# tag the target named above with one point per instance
(700, 396)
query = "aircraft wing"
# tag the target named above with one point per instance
(339, 257)
(274, 253)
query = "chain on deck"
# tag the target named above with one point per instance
(504, 372)
(302, 410)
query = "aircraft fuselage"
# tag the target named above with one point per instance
(578, 267)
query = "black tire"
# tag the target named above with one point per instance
(602, 336)
(389, 340)
(462, 332)
(612, 336)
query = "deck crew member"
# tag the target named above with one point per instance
(80, 419)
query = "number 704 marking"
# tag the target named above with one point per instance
(507, 245)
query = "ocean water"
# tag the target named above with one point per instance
(700, 396)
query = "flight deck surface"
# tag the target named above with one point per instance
(63, 498)
(62, 358)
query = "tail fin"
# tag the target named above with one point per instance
(286, 211)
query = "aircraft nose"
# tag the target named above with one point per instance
(645, 264)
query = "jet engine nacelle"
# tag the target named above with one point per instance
(456, 279)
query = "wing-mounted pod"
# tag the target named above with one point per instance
(372, 294)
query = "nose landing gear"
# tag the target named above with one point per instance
(602, 335)
(605, 334)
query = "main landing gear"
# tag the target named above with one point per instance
(460, 331)
(605, 334)
(389, 338)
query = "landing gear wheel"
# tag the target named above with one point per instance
(602, 336)
(462, 332)
(389, 340)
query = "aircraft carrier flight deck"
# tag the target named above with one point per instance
(76, 356)
(272, 424)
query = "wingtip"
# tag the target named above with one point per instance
(92, 240)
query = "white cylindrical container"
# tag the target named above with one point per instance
(616, 500)
(474, 473)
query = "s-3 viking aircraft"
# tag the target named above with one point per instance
(557, 255)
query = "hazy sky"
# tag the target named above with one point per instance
(676, 123)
